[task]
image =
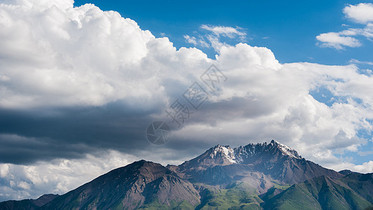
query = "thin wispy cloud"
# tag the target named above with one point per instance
(224, 31)
(215, 36)
(361, 13)
(361, 62)
(337, 40)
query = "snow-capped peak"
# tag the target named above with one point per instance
(286, 150)
(225, 155)
(224, 151)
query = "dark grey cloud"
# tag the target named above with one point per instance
(32, 135)
(27, 136)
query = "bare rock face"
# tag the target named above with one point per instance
(131, 186)
(281, 162)
(274, 161)
(215, 156)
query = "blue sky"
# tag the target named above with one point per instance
(79, 84)
(288, 28)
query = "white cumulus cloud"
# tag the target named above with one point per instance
(57, 176)
(337, 40)
(361, 13)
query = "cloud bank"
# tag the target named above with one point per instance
(79, 86)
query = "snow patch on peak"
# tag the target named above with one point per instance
(240, 154)
(226, 152)
(286, 150)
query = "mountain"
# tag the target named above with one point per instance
(255, 176)
(318, 193)
(347, 172)
(360, 183)
(222, 164)
(281, 162)
(139, 184)
(28, 204)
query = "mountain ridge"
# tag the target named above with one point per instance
(281, 162)
(256, 176)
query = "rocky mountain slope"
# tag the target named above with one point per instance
(130, 187)
(222, 164)
(28, 204)
(320, 193)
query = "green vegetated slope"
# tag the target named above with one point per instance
(318, 193)
(236, 196)
(173, 206)
(361, 184)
